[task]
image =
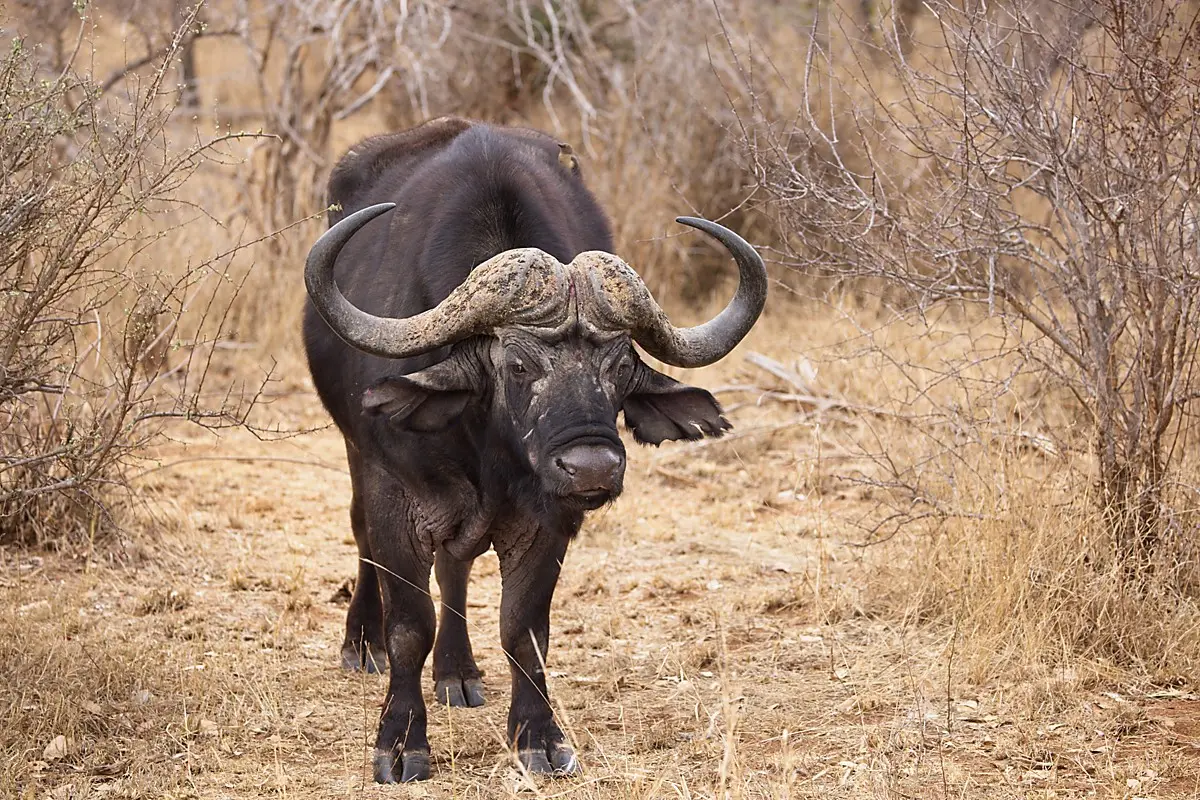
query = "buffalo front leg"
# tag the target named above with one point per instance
(456, 678)
(402, 748)
(529, 572)
(363, 646)
(402, 568)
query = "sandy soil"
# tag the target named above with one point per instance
(713, 636)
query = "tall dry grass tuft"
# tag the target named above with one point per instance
(1039, 594)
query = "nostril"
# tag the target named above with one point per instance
(570, 469)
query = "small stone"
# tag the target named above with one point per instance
(58, 748)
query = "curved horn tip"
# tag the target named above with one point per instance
(328, 244)
(738, 247)
(714, 229)
(702, 224)
(713, 340)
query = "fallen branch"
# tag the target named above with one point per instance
(779, 370)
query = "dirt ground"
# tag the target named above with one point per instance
(713, 636)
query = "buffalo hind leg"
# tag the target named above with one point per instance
(529, 572)
(456, 678)
(402, 748)
(363, 648)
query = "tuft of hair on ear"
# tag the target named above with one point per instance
(658, 432)
(383, 398)
(682, 414)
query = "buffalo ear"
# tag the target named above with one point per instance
(424, 401)
(660, 408)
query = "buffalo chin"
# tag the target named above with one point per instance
(590, 501)
(581, 501)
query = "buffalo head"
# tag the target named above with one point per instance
(545, 350)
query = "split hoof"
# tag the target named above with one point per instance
(372, 660)
(459, 692)
(413, 764)
(557, 759)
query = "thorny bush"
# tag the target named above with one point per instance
(88, 329)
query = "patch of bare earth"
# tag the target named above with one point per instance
(712, 637)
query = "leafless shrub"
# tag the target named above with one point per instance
(1064, 204)
(317, 62)
(88, 323)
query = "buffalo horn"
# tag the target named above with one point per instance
(627, 303)
(524, 285)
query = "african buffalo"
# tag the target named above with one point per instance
(475, 358)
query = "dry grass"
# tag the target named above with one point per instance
(732, 641)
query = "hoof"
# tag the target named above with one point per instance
(557, 759)
(371, 659)
(459, 692)
(414, 766)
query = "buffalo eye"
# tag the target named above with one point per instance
(519, 365)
